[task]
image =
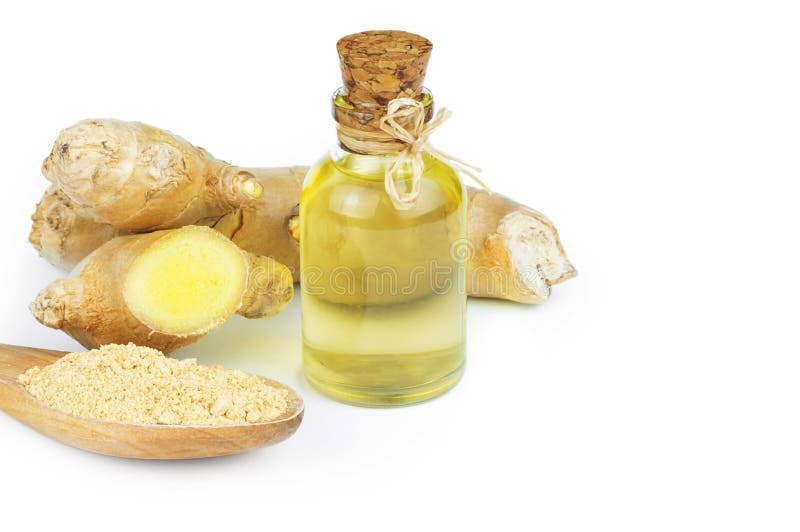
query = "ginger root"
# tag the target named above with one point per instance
(514, 252)
(164, 289)
(137, 177)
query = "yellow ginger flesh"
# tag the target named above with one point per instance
(186, 282)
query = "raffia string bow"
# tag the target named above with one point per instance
(409, 141)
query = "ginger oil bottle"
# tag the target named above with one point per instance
(383, 236)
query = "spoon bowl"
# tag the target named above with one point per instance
(129, 440)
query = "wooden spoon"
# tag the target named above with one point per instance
(130, 440)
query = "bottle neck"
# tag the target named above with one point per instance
(361, 128)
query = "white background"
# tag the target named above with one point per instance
(656, 391)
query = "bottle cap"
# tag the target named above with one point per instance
(380, 65)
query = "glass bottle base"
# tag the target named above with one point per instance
(380, 396)
(385, 398)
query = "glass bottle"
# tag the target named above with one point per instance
(383, 288)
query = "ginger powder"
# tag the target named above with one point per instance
(133, 384)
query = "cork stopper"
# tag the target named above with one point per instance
(378, 66)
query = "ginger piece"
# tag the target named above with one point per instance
(514, 252)
(137, 177)
(164, 289)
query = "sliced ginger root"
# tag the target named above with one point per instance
(185, 283)
(164, 289)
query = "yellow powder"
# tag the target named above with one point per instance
(133, 384)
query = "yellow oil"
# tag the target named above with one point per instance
(383, 290)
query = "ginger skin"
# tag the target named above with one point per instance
(62, 235)
(514, 252)
(164, 289)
